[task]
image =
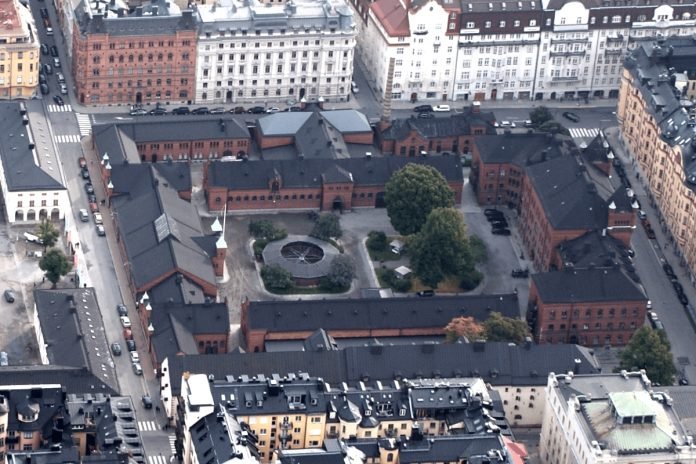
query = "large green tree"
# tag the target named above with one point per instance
(266, 230)
(276, 278)
(499, 328)
(327, 226)
(55, 265)
(649, 349)
(441, 248)
(540, 115)
(412, 193)
(48, 234)
(341, 273)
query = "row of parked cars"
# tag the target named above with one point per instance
(183, 110)
(499, 225)
(130, 343)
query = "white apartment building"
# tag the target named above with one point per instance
(251, 51)
(543, 50)
(611, 418)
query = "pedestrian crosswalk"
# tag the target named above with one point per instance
(67, 138)
(172, 444)
(159, 459)
(59, 108)
(147, 426)
(583, 132)
(85, 124)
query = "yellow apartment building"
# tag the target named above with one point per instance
(19, 51)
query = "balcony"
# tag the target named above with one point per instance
(615, 38)
(613, 51)
(584, 40)
(565, 78)
(568, 53)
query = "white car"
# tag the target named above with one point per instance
(63, 89)
(135, 357)
(98, 218)
(125, 321)
(442, 108)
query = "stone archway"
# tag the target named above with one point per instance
(55, 214)
(31, 215)
(19, 215)
(43, 214)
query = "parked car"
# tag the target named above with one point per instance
(442, 108)
(116, 348)
(502, 224)
(100, 230)
(134, 356)
(520, 273)
(56, 62)
(60, 77)
(44, 89)
(4, 359)
(93, 207)
(98, 218)
(44, 12)
(54, 50)
(158, 111)
(49, 30)
(295, 109)
(9, 295)
(138, 112)
(238, 110)
(84, 172)
(571, 116)
(48, 69)
(121, 309)
(489, 211)
(63, 89)
(642, 215)
(273, 109)
(82, 162)
(137, 369)
(89, 188)
(130, 345)
(44, 49)
(59, 100)
(201, 110)
(354, 87)
(256, 110)
(181, 110)
(42, 78)
(668, 269)
(125, 322)
(218, 110)
(426, 115)
(84, 215)
(147, 401)
(423, 108)
(500, 231)
(91, 197)
(426, 293)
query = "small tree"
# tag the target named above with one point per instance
(464, 327)
(441, 247)
(377, 240)
(55, 265)
(554, 127)
(649, 349)
(326, 227)
(412, 193)
(341, 274)
(540, 115)
(499, 328)
(48, 233)
(265, 229)
(276, 278)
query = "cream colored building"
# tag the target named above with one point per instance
(19, 51)
(658, 126)
(611, 418)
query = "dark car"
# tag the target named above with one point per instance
(181, 110)
(54, 50)
(42, 78)
(423, 108)
(91, 197)
(426, 115)
(295, 109)
(44, 49)
(500, 231)
(238, 110)
(116, 348)
(426, 293)
(48, 69)
(257, 110)
(668, 269)
(682, 299)
(85, 173)
(147, 401)
(89, 188)
(489, 211)
(502, 224)
(44, 89)
(520, 273)
(571, 116)
(201, 110)
(9, 296)
(130, 344)
(677, 286)
(122, 309)
(44, 12)
(59, 101)
(158, 111)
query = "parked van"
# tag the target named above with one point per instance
(32, 238)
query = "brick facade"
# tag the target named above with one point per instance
(188, 149)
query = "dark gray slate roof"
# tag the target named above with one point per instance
(109, 140)
(272, 254)
(650, 65)
(131, 24)
(586, 286)
(621, 202)
(73, 331)
(25, 401)
(456, 125)
(73, 379)
(158, 229)
(594, 250)
(497, 363)
(569, 199)
(598, 150)
(177, 324)
(378, 313)
(19, 164)
(308, 173)
(519, 149)
(134, 177)
(177, 289)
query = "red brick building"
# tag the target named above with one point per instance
(366, 317)
(410, 137)
(592, 307)
(175, 138)
(323, 184)
(146, 55)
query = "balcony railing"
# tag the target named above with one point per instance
(568, 53)
(565, 78)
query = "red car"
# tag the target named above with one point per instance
(82, 161)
